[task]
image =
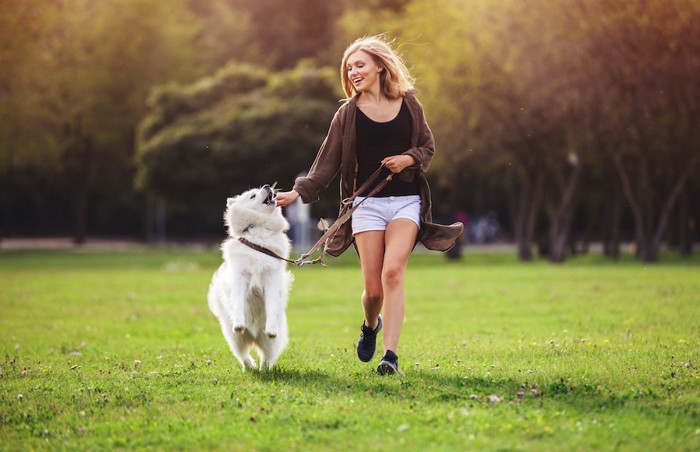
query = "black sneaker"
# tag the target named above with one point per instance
(389, 365)
(368, 341)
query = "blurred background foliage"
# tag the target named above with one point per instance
(564, 123)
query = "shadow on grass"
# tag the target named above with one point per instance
(300, 377)
(432, 386)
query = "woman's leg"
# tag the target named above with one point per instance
(370, 246)
(399, 240)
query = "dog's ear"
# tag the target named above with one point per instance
(230, 201)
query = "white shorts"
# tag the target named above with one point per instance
(376, 213)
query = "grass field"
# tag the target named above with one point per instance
(103, 350)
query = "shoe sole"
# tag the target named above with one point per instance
(387, 368)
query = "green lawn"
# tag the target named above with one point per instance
(104, 350)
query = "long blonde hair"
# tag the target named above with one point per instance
(395, 80)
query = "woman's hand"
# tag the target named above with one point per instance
(397, 163)
(285, 198)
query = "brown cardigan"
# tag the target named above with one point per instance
(337, 153)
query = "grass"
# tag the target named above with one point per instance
(118, 350)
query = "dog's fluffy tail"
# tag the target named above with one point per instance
(213, 294)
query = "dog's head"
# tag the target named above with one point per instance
(254, 209)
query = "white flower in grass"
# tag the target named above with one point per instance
(493, 398)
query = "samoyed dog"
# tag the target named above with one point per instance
(249, 291)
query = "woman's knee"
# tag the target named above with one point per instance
(393, 276)
(373, 294)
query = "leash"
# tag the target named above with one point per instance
(264, 250)
(345, 214)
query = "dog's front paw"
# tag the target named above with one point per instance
(271, 333)
(238, 328)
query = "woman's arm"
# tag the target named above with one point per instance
(397, 163)
(422, 153)
(326, 165)
(425, 146)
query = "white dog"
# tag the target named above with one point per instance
(249, 291)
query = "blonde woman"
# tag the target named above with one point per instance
(380, 123)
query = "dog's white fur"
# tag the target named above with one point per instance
(249, 291)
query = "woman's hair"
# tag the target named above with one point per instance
(395, 80)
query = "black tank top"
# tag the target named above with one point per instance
(378, 140)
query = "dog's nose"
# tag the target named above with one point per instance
(266, 187)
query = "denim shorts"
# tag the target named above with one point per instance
(374, 214)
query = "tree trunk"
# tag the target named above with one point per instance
(5, 203)
(79, 174)
(523, 247)
(613, 215)
(560, 218)
(80, 205)
(648, 237)
(673, 197)
(641, 241)
(148, 219)
(527, 208)
(685, 241)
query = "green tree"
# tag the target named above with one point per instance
(78, 75)
(241, 127)
(528, 99)
(21, 26)
(649, 59)
(283, 33)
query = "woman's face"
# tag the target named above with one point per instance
(362, 71)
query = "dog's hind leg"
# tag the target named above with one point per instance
(270, 349)
(237, 301)
(275, 304)
(268, 358)
(242, 351)
(239, 344)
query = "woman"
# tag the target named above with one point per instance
(381, 123)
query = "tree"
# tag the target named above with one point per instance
(649, 53)
(283, 33)
(540, 94)
(78, 75)
(514, 90)
(203, 142)
(21, 26)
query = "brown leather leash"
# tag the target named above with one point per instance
(345, 214)
(264, 250)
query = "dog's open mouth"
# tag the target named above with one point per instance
(269, 195)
